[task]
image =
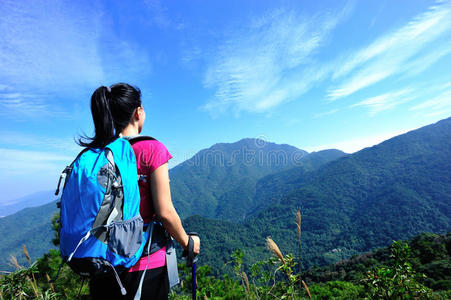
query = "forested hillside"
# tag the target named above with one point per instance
(349, 203)
(33, 200)
(363, 201)
(417, 269)
(31, 227)
(430, 255)
(219, 182)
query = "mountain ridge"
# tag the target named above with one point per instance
(342, 198)
(356, 203)
(31, 200)
(13, 241)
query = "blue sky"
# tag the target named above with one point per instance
(313, 74)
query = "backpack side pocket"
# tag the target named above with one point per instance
(125, 237)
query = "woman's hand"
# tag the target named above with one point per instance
(196, 240)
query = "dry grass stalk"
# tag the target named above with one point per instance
(306, 289)
(35, 288)
(272, 246)
(27, 255)
(298, 223)
(50, 282)
(14, 263)
(246, 281)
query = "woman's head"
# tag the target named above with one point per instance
(113, 109)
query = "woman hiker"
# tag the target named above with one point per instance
(117, 111)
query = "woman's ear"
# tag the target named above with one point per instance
(138, 113)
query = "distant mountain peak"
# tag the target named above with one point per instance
(255, 143)
(245, 148)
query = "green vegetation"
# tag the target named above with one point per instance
(396, 276)
(31, 227)
(351, 205)
(225, 172)
(229, 174)
(357, 203)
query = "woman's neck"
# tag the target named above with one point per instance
(130, 130)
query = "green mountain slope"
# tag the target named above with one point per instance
(219, 182)
(204, 180)
(8, 207)
(350, 204)
(430, 255)
(272, 187)
(30, 227)
(359, 202)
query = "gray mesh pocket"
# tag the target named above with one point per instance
(125, 237)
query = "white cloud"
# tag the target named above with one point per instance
(326, 113)
(385, 101)
(49, 44)
(28, 141)
(157, 13)
(23, 172)
(25, 106)
(355, 144)
(273, 60)
(360, 81)
(394, 53)
(25, 163)
(57, 50)
(269, 62)
(442, 113)
(31, 162)
(438, 102)
(423, 62)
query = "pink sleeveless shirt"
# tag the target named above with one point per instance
(150, 154)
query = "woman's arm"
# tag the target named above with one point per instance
(161, 195)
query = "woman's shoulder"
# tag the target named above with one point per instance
(154, 144)
(154, 152)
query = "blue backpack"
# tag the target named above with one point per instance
(101, 228)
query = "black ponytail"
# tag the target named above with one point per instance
(112, 110)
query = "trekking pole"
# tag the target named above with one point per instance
(191, 260)
(194, 281)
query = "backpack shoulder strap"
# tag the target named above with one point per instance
(141, 138)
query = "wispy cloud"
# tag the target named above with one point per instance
(269, 62)
(36, 159)
(441, 113)
(29, 141)
(23, 106)
(355, 144)
(48, 44)
(386, 101)
(437, 103)
(393, 52)
(326, 113)
(157, 13)
(23, 153)
(57, 50)
(22, 162)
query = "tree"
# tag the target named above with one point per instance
(398, 281)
